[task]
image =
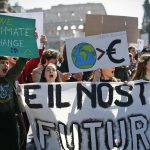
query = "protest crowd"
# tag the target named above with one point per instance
(52, 66)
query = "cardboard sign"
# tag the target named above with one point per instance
(99, 51)
(17, 37)
(38, 16)
(100, 24)
(89, 116)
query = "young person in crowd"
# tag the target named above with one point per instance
(9, 135)
(48, 56)
(50, 74)
(124, 73)
(143, 68)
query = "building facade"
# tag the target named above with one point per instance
(67, 21)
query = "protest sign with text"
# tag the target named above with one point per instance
(38, 16)
(17, 37)
(89, 116)
(98, 51)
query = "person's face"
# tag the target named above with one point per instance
(108, 73)
(4, 66)
(133, 52)
(51, 73)
(12, 59)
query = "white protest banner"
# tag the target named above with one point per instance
(89, 116)
(38, 16)
(98, 51)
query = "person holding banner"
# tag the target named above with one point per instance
(143, 68)
(9, 110)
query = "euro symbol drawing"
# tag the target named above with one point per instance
(111, 50)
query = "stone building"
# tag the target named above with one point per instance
(66, 21)
(18, 8)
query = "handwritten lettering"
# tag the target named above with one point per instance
(5, 21)
(11, 43)
(16, 32)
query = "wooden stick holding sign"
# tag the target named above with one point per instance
(98, 51)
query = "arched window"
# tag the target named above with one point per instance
(66, 27)
(73, 27)
(80, 27)
(72, 13)
(59, 28)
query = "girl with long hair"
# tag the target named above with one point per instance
(143, 68)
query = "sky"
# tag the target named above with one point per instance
(132, 8)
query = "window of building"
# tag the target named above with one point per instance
(66, 27)
(72, 13)
(80, 27)
(58, 14)
(89, 12)
(73, 27)
(59, 28)
(81, 19)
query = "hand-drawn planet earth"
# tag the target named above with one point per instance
(84, 56)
